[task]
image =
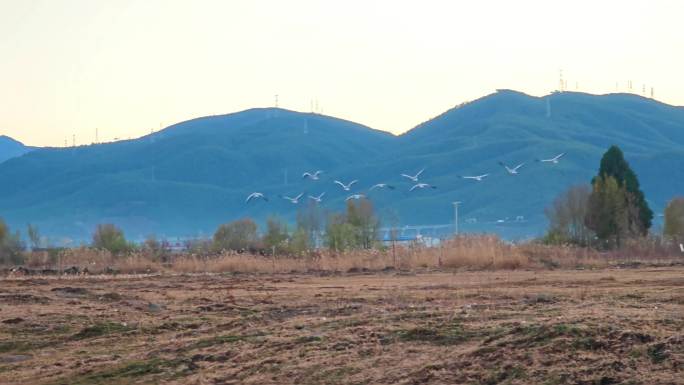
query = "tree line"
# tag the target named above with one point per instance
(609, 210)
(355, 228)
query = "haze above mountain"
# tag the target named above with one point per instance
(189, 177)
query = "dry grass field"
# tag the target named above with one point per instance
(472, 252)
(599, 326)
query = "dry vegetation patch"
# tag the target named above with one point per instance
(481, 327)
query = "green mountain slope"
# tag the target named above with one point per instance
(188, 178)
(184, 179)
(10, 148)
(513, 128)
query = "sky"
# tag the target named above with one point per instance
(123, 68)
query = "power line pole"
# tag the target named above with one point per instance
(456, 203)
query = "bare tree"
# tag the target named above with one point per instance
(310, 220)
(567, 216)
(11, 247)
(33, 235)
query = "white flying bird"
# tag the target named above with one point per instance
(553, 160)
(312, 176)
(294, 200)
(355, 196)
(513, 170)
(413, 177)
(478, 178)
(421, 186)
(318, 199)
(255, 195)
(382, 185)
(346, 187)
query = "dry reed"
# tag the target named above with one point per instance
(474, 252)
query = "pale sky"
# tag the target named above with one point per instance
(68, 67)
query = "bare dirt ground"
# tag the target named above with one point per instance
(612, 326)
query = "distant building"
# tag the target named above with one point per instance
(408, 240)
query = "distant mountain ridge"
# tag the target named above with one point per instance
(512, 127)
(191, 176)
(10, 148)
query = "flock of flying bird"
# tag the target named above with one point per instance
(413, 178)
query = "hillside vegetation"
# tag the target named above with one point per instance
(10, 148)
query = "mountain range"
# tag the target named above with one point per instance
(191, 176)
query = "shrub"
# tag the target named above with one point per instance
(159, 250)
(674, 219)
(237, 235)
(340, 235)
(357, 228)
(276, 237)
(109, 237)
